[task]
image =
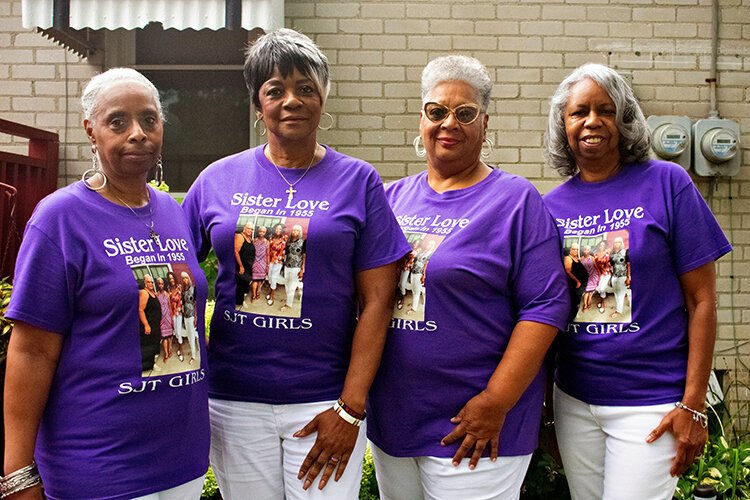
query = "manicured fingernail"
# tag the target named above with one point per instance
(455, 464)
(307, 484)
(471, 466)
(493, 459)
(322, 485)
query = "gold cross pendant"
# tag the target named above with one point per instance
(291, 192)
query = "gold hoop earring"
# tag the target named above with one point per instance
(94, 171)
(255, 126)
(490, 146)
(329, 115)
(420, 152)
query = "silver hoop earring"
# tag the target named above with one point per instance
(329, 115)
(488, 151)
(420, 152)
(159, 177)
(255, 126)
(94, 171)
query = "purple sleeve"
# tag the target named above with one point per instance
(697, 238)
(381, 240)
(191, 206)
(539, 283)
(42, 288)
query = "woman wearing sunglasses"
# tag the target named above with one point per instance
(455, 407)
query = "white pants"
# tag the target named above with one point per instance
(433, 478)
(416, 290)
(192, 335)
(403, 281)
(253, 453)
(605, 454)
(618, 285)
(291, 282)
(178, 330)
(185, 491)
(274, 275)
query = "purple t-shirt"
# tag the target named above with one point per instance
(259, 352)
(492, 261)
(110, 430)
(635, 352)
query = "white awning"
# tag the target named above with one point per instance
(131, 14)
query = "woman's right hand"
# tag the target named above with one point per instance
(147, 330)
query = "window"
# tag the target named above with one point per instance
(203, 92)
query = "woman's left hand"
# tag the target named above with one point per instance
(479, 423)
(690, 437)
(332, 448)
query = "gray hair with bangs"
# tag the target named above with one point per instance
(461, 68)
(286, 50)
(635, 139)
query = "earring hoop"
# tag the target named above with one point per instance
(488, 151)
(255, 126)
(93, 171)
(329, 115)
(159, 177)
(420, 152)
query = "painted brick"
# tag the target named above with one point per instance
(442, 26)
(564, 44)
(391, 171)
(338, 41)
(608, 13)
(387, 106)
(15, 56)
(383, 74)
(360, 26)
(634, 30)
(540, 60)
(383, 137)
(348, 89)
(577, 28)
(407, 57)
(363, 57)
(33, 71)
(341, 73)
(390, 42)
(408, 26)
(336, 9)
(383, 10)
(360, 121)
(560, 12)
(497, 27)
(433, 10)
(519, 43)
(466, 11)
(463, 42)
(32, 104)
(675, 30)
(541, 28)
(432, 42)
(314, 26)
(505, 11)
(654, 14)
(410, 89)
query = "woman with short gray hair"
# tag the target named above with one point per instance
(288, 382)
(456, 405)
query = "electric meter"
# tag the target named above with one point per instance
(717, 147)
(670, 138)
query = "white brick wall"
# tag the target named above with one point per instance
(377, 50)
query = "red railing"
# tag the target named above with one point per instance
(24, 181)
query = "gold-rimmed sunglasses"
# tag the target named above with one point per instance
(465, 114)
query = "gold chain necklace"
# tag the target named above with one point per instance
(290, 191)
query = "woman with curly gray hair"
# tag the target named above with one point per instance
(630, 386)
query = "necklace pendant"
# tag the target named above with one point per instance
(290, 192)
(154, 236)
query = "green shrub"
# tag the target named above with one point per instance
(6, 325)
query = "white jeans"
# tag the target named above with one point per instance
(291, 282)
(191, 333)
(618, 285)
(605, 454)
(253, 453)
(433, 478)
(274, 275)
(416, 290)
(186, 491)
(403, 281)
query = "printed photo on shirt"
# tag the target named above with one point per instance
(270, 257)
(411, 291)
(167, 319)
(598, 269)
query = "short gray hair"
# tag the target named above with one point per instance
(635, 139)
(90, 98)
(285, 50)
(461, 68)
